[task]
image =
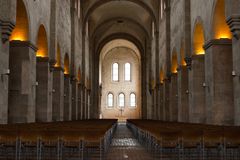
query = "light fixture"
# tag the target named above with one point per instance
(36, 83)
(53, 91)
(6, 72)
(234, 74)
(204, 85)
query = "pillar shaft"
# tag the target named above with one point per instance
(58, 94)
(174, 98)
(67, 99)
(196, 90)
(22, 82)
(74, 100)
(44, 91)
(219, 83)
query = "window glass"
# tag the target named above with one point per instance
(127, 72)
(121, 100)
(115, 72)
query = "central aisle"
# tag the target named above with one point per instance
(125, 146)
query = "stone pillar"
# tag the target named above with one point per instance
(183, 91)
(88, 103)
(83, 101)
(67, 99)
(166, 111)
(158, 101)
(196, 90)
(58, 93)
(161, 102)
(44, 90)
(74, 100)
(219, 82)
(174, 98)
(234, 23)
(6, 28)
(22, 82)
(79, 105)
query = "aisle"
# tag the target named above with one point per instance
(125, 146)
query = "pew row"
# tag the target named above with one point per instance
(84, 139)
(172, 140)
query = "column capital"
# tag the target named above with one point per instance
(234, 24)
(188, 61)
(7, 28)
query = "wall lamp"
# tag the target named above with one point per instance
(6, 72)
(205, 85)
(234, 74)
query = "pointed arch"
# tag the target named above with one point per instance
(21, 30)
(42, 42)
(220, 27)
(182, 54)
(66, 64)
(161, 76)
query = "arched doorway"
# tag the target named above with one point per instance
(120, 74)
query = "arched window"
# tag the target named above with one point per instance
(127, 68)
(121, 100)
(110, 100)
(132, 100)
(115, 72)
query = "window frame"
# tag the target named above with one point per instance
(112, 68)
(121, 93)
(130, 72)
(130, 100)
(108, 106)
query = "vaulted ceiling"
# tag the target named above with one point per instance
(125, 18)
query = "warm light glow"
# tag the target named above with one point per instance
(42, 43)
(58, 57)
(183, 63)
(174, 63)
(79, 75)
(161, 76)
(198, 39)
(66, 64)
(20, 31)
(221, 29)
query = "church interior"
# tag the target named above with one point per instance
(119, 79)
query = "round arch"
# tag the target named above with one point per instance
(66, 65)
(198, 38)
(42, 42)
(102, 2)
(174, 62)
(220, 29)
(21, 30)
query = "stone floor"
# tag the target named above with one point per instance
(125, 147)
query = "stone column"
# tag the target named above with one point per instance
(158, 101)
(58, 93)
(161, 102)
(219, 82)
(88, 103)
(67, 98)
(174, 98)
(196, 90)
(79, 105)
(6, 28)
(183, 91)
(22, 82)
(74, 100)
(83, 102)
(44, 90)
(234, 23)
(166, 107)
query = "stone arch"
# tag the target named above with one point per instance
(42, 42)
(21, 30)
(174, 62)
(182, 55)
(102, 2)
(220, 29)
(66, 65)
(198, 38)
(58, 56)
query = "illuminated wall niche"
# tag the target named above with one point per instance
(174, 63)
(42, 42)
(183, 63)
(58, 57)
(220, 27)
(161, 76)
(198, 39)
(66, 65)
(79, 75)
(21, 29)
